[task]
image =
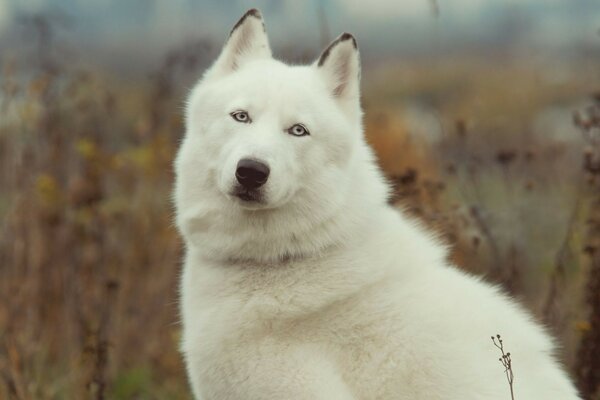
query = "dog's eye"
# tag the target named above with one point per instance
(298, 130)
(241, 116)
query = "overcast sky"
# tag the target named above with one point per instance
(147, 28)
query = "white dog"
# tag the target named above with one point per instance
(300, 282)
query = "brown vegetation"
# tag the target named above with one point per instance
(89, 257)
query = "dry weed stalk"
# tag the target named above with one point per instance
(506, 363)
(80, 170)
(588, 357)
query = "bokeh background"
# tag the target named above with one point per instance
(485, 115)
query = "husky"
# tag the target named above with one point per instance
(299, 280)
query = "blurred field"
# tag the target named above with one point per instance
(482, 149)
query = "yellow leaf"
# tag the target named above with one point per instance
(86, 148)
(583, 326)
(47, 189)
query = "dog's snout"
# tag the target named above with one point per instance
(251, 174)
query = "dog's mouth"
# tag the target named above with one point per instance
(252, 199)
(248, 196)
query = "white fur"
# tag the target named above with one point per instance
(324, 291)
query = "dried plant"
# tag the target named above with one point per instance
(588, 357)
(506, 362)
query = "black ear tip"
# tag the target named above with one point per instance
(348, 36)
(253, 12)
(342, 38)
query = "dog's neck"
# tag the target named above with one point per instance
(270, 239)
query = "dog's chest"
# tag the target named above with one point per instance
(229, 334)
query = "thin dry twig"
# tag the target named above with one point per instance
(506, 363)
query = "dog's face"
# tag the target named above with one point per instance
(262, 135)
(265, 132)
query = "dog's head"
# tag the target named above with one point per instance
(263, 136)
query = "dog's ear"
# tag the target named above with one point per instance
(340, 65)
(247, 41)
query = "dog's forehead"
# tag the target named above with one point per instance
(275, 76)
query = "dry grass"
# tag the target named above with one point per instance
(89, 258)
(88, 252)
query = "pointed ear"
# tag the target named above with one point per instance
(247, 41)
(340, 67)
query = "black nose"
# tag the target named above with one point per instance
(251, 174)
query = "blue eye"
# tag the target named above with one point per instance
(241, 116)
(298, 130)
